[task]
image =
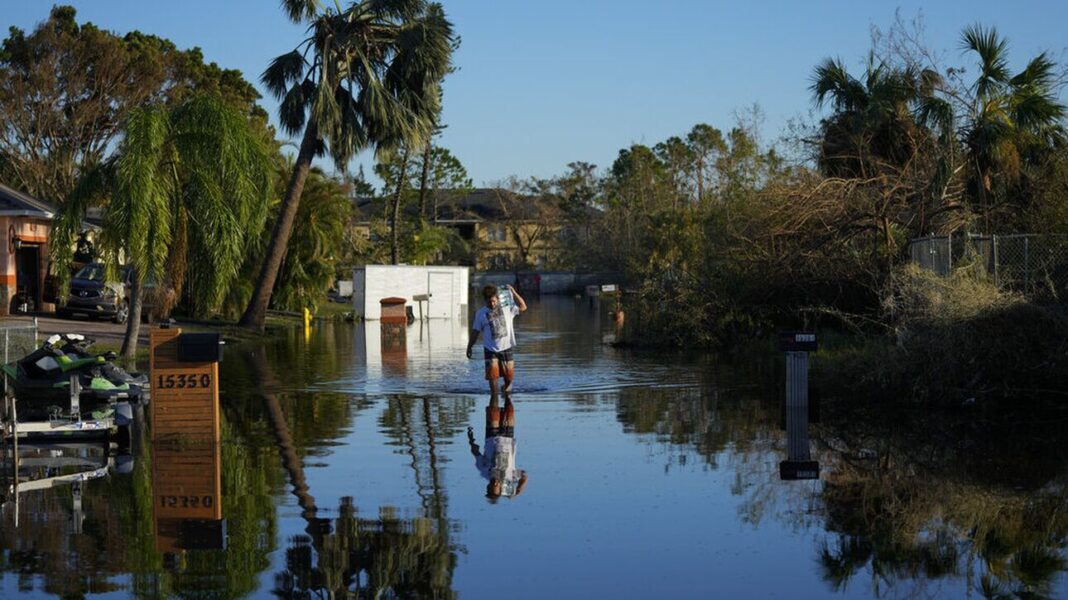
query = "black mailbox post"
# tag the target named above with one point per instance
(798, 464)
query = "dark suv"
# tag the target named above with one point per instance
(92, 295)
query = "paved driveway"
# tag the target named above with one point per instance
(98, 330)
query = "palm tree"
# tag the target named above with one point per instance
(183, 196)
(874, 121)
(1009, 118)
(366, 76)
(310, 266)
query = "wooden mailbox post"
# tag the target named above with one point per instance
(185, 384)
(187, 462)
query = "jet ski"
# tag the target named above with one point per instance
(42, 381)
(76, 346)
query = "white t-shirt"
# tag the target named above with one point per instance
(498, 463)
(495, 325)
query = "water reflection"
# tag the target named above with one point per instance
(148, 522)
(348, 555)
(559, 351)
(49, 516)
(912, 498)
(187, 496)
(334, 481)
(34, 467)
(495, 461)
(393, 357)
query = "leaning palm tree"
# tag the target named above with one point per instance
(1008, 118)
(183, 197)
(366, 76)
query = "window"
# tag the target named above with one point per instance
(497, 232)
(498, 262)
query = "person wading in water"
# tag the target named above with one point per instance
(494, 323)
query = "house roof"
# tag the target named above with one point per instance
(479, 204)
(14, 203)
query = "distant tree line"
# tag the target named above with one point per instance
(725, 236)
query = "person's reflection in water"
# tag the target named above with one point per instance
(496, 462)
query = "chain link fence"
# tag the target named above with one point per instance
(17, 339)
(1034, 264)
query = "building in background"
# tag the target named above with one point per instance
(502, 230)
(25, 229)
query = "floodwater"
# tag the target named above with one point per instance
(346, 468)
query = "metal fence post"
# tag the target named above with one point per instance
(997, 264)
(949, 243)
(1027, 264)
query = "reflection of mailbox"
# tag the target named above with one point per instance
(394, 347)
(200, 347)
(190, 534)
(187, 494)
(799, 470)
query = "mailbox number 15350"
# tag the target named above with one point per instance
(184, 381)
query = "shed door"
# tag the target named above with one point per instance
(442, 299)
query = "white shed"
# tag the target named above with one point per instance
(446, 286)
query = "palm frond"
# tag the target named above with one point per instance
(292, 112)
(301, 10)
(993, 57)
(831, 81)
(226, 186)
(395, 9)
(1033, 109)
(283, 72)
(1039, 73)
(143, 186)
(930, 81)
(92, 188)
(938, 114)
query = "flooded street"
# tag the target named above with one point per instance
(346, 466)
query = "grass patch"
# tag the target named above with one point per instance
(334, 311)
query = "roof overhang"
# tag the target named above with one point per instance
(33, 214)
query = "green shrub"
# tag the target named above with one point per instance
(956, 338)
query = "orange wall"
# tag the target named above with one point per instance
(30, 231)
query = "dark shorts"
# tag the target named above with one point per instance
(499, 364)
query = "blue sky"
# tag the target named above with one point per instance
(545, 83)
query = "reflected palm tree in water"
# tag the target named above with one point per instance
(349, 556)
(417, 425)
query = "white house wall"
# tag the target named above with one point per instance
(372, 283)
